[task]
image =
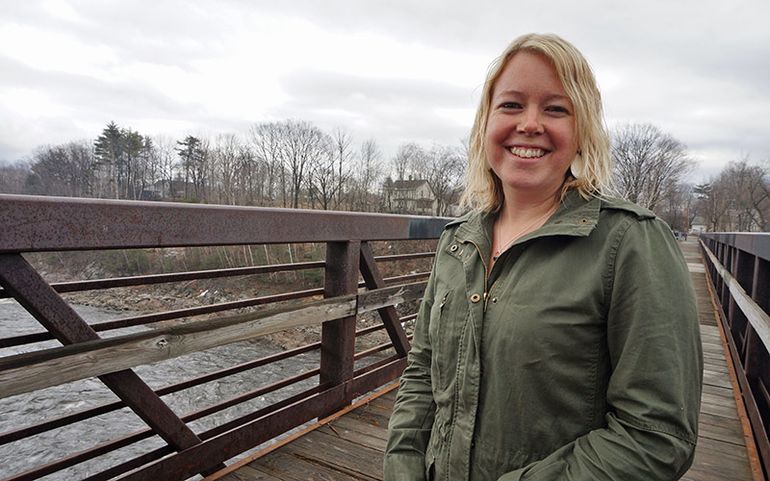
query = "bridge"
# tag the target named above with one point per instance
(328, 422)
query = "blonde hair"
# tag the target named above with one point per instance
(589, 173)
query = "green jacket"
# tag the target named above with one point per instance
(579, 359)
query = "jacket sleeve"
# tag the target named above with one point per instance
(412, 419)
(654, 387)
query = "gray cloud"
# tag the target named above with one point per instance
(392, 111)
(697, 69)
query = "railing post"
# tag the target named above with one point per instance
(338, 338)
(728, 263)
(742, 271)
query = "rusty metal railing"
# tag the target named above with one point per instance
(738, 265)
(45, 224)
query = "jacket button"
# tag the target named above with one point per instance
(494, 300)
(475, 298)
(453, 248)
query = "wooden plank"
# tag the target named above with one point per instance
(713, 461)
(388, 296)
(288, 466)
(372, 417)
(345, 456)
(346, 428)
(37, 370)
(249, 473)
(56, 366)
(716, 379)
(724, 432)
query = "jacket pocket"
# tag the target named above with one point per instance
(438, 331)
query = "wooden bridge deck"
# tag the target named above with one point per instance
(350, 446)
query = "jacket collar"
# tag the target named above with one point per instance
(575, 217)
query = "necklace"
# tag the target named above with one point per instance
(522, 231)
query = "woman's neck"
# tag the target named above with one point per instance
(519, 209)
(516, 219)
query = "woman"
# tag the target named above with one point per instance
(558, 337)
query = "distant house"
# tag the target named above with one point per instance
(698, 225)
(166, 190)
(411, 196)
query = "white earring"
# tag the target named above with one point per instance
(577, 166)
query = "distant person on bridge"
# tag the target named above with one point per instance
(558, 336)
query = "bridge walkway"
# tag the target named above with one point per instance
(349, 446)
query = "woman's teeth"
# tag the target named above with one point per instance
(527, 153)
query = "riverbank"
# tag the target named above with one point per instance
(148, 299)
(70, 266)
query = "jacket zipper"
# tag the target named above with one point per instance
(443, 302)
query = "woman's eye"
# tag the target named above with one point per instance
(510, 105)
(557, 109)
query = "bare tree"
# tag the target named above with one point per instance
(678, 207)
(67, 170)
(301, 143)
(343, 153)
(265, 139)
(714, 204)
(250, 176)
(149, 165)
(322, 176)
(367, 176)
(13, 176)
(748, 186)
(406, 157)
(647, 161)
(443, 168)
(164, 155)
(225, 160)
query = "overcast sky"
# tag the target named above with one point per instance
(395, 71)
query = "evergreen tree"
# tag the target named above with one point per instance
(108, 150)
(191, 156)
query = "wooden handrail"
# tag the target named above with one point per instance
(758, 318)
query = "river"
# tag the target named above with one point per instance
(24, 409)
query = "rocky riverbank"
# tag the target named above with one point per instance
(69, 266)
(157, 298)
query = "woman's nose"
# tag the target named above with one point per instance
(530, 122)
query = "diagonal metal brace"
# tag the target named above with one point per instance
(389, 315)
(24, 283)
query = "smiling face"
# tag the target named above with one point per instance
(530, 136)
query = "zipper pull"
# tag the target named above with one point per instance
(443, 301)
(486, 297)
